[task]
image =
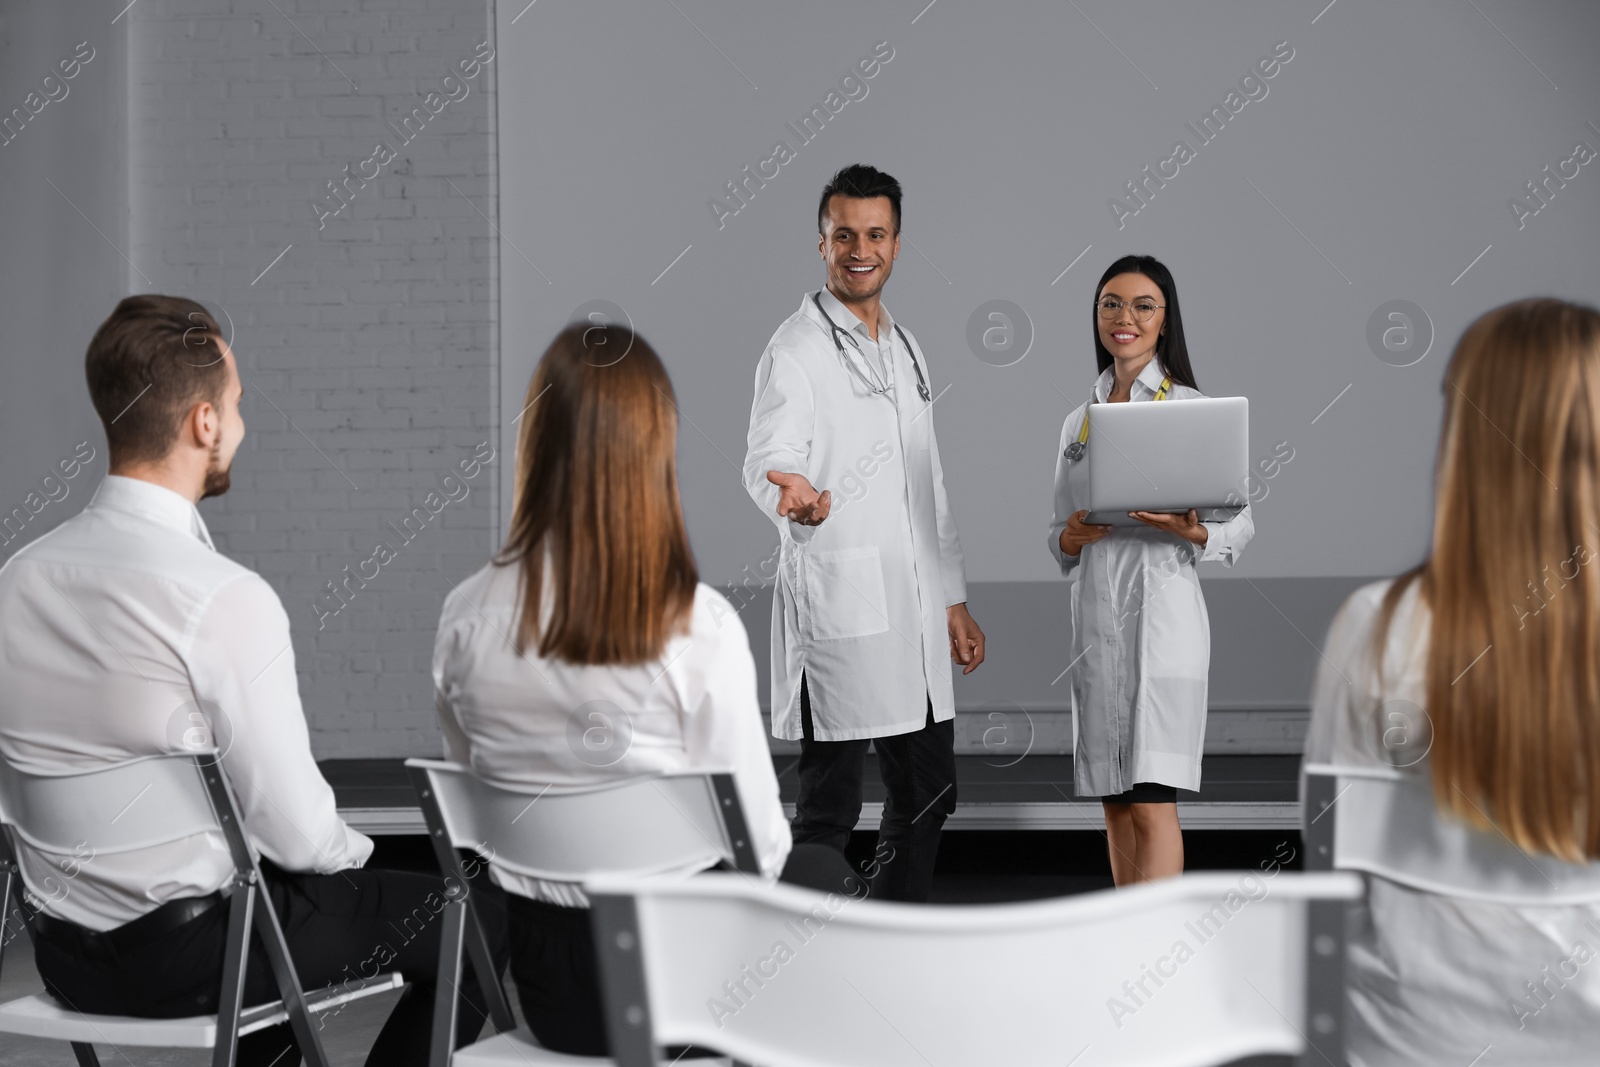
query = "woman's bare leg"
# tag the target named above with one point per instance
(1160, 840)
(1122, 843)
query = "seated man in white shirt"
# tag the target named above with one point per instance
(119, 631)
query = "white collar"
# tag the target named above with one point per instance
(848, 320)
(154, 502)
(1150, 377)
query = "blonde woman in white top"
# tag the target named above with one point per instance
(630, 666)
(1490, 693)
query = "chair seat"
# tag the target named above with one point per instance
(516, 1048)
(41, 1016)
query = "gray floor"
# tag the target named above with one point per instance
(346, 1036)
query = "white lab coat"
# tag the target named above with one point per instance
(1140, 641)
(860, 600)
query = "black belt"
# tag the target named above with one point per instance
(130, 936)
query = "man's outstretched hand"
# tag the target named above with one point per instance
(798, 500)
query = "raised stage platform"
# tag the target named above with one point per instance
(1256, 792)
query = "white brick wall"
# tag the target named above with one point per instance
(372, 335)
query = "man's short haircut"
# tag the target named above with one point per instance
(151, 361)
(862, 182)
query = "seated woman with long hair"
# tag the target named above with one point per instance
(588, 650)
(1476, 674)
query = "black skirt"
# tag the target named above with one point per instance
(1145, 793)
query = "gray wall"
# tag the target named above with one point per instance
(63, 167)
(392, 337)
(367, 349)
(1377, 164)
(1377, 167)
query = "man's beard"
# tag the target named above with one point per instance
(217, 476)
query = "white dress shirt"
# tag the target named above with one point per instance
(1140, 642)
(515, 720)
(113, 628)
(1431, 978)
(860, 601)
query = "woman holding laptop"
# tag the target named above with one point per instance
(1140, 642)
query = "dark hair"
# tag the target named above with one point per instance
(1170, 348)
(863, 183)
(152, 360)
(596, 485)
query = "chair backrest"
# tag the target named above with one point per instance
(1385, 821)
(1202, 969)
(633, 827)
(146, 802)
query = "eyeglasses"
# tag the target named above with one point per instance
(1143, 308)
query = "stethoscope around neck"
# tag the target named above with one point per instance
(1075, 450)
(872, 383)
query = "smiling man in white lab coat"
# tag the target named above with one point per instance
(870, 603)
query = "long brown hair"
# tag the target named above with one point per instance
(596, 487)
(1513, 669)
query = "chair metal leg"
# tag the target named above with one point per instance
(235, 959)
(488, 974)
(733, 824)
(289, 989)
(12, 923)
(622, 985)
(446, 1000)
(1325, 992)
(265, 921)
(450, 866)
(85, 1055)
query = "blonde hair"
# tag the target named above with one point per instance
(1513, 676)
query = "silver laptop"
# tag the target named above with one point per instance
(1168, 455)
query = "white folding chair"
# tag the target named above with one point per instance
(635, 828)
(1199, 970)
(1384, 821)
(137, 805)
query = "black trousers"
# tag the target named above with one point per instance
(557, 975)
(919, 773)
(339, 927)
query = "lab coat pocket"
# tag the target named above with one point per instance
(844, 594)
(1177, 635)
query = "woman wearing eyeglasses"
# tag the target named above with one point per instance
(1140, 643)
